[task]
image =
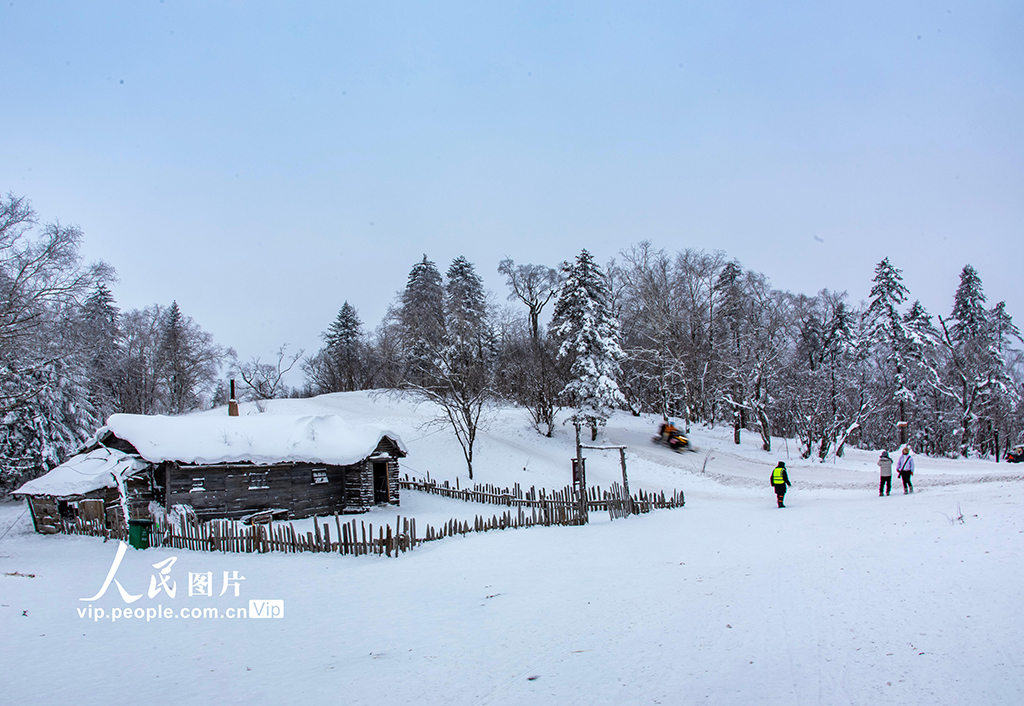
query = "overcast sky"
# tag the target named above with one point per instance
(262, 163)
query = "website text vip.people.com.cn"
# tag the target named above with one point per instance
(256, 609)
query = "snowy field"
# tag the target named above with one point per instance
(841, 598)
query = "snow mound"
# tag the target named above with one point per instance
(261, 438)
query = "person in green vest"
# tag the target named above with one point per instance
(780, 480)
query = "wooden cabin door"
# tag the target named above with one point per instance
(380, 482)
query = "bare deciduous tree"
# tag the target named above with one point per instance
(265, 381)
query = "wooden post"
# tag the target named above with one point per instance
(583, 509)
(167, 491)
(232, 403)
(625, 481)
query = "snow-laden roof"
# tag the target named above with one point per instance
(259, 438)
(84, 473)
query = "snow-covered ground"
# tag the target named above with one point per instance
(841, 598)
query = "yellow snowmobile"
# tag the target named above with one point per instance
(671, 437)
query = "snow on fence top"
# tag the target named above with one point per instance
(258, 438)
(84, 473)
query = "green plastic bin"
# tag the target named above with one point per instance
(138, 533)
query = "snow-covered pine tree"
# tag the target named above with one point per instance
(885, 329)
(343, 342)
(928, 418)
(453, 365)
(190, 361)
(588, 337)
(421, 320)
(465, 364)
(340, 366)
(969, 316)
(100, 332)
(173, 353)
(971, 371)
(465, 307)
(1006, 396)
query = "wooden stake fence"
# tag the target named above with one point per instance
(526, 509)
(516, 496)
(350, 537)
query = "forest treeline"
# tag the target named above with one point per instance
(689, 335)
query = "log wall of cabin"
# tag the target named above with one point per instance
(227, 491)
(360, 485)
(393, 481)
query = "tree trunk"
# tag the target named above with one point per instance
(766, 430)
(965, 422)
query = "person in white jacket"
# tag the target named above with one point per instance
(885, 465)
(905, 467)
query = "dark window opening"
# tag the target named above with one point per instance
(67, 510)
(381, 493)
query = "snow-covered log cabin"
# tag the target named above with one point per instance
(222, 467)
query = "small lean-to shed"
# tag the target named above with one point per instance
(231, 467)
(93, 486)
